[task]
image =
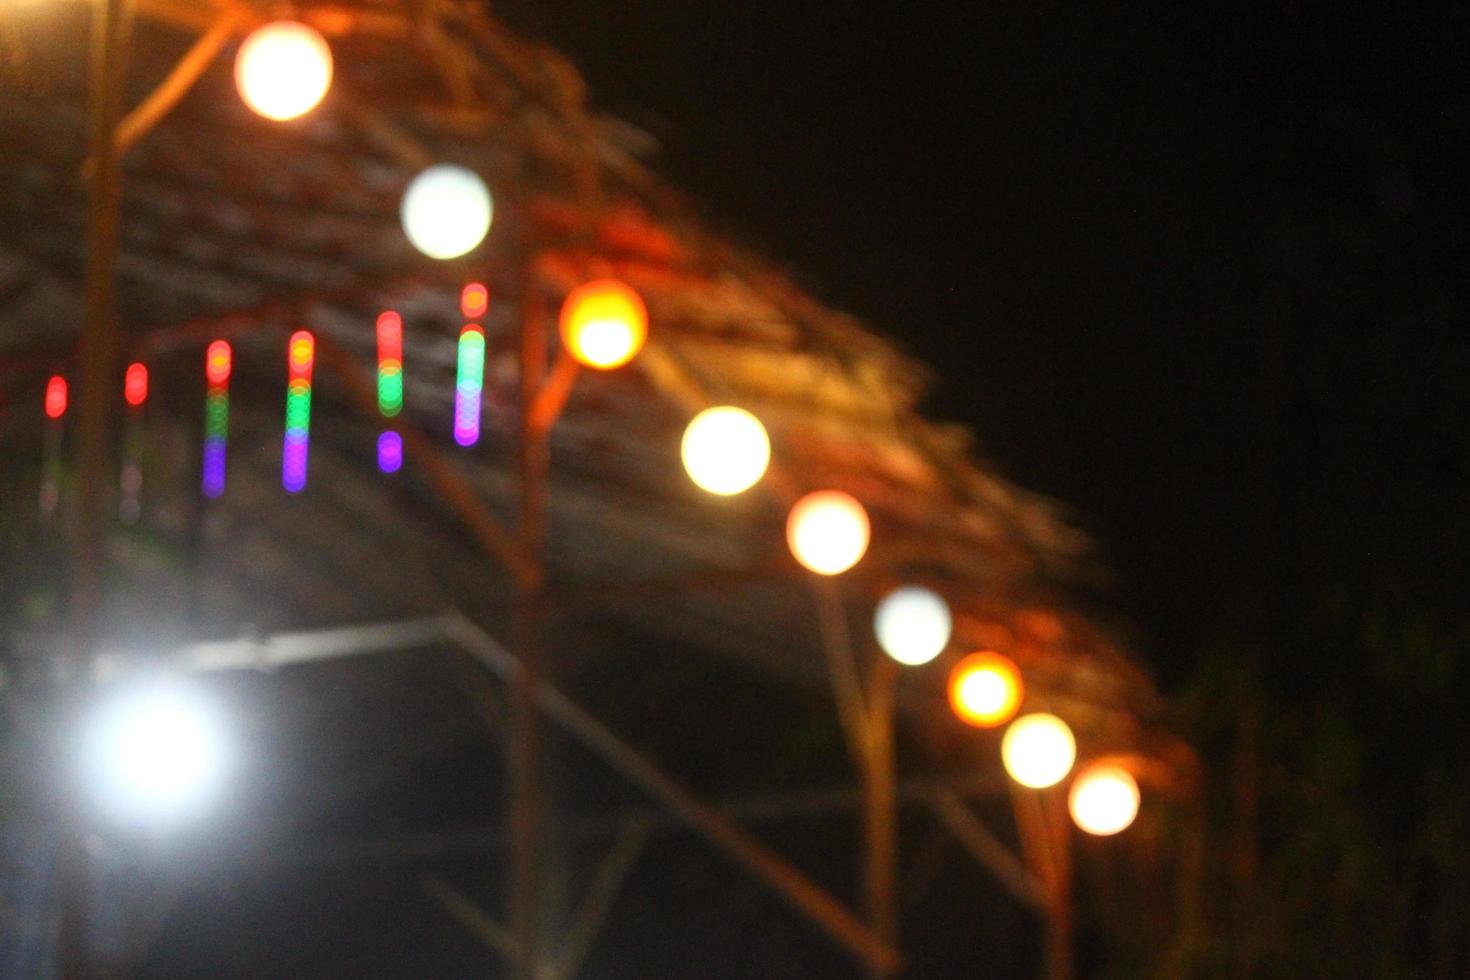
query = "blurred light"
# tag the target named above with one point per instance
(828, 531)
(156, 751)
(913, 625)
(468, 384)
(56, 397)
(474, 301)
(390, 451)
(300, 359)
(135, 384)
(985, 689)
(1103, 800)
(217, 365)
(726, 450)
(283, 69)
(446, 211)
(390, 364)
(604, 324)
(1038, 750)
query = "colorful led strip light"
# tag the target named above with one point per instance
(474, 300)
(135, 393)
(390, 364)
(468, 384)
(301, 355)
(217, 363)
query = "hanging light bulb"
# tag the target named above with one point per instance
(828, 531)
(1103, 800)
(283, 69)
(725, 450)
(604, 324)
(1038, 750)
(913, 625)
(446, 211)
(985, 689)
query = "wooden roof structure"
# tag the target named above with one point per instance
(240, 228)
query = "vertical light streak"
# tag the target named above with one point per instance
(469, 382)
(301, 355)
(217, 366)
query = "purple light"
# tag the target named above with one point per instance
(293, 462)
(214, 467)
(390, 451)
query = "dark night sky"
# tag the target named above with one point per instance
(1096, 224)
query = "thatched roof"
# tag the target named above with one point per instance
(241, 228)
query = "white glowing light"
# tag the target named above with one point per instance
(828, 531)
(913, 625)
(283, 69)
(1103, 800)
(1038, 750)
(446, 211)
(725, 450)
(156, 751)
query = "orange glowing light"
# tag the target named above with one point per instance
(474, 300)
(1103, 799)
(604, 324)
(217, 362)
(283, 69)
(985, 689)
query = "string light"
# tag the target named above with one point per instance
(725, 450)
(1103, 800)
(283, 69)
(301, 355)
(1038, 750)
(217, 365)
(446, 211)
(913, 625)
(604, 324)
(390, 451)
(468, 384)
(56, 397)
(828, 531)
(135, 384)
(985, 689)
(390, 364)
(474, 301)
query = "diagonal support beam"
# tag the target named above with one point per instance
(986, 848)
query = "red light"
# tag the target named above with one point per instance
(135, 384)
(390, 337)
(56, 397)
(301, 354)
(217, 362)
(474, 300)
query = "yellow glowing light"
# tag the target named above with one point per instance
(283, 69)
(725, 450)
(604, 324)
(985, 689)
(446, 211)
(828, 531)
(913, 625)
(1103, 800)
(1038, 750)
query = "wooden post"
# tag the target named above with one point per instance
(526, 804)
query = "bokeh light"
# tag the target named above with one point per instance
(446, 211)
(55, 397)
(1103, 799)
(1038, 750)
(283, 69)
(217, 366)
(985, 689)
(390, 363)
(135, 384)
(469, 383)
(156, 752)
(300, 359)
(474, 301)
(913, 625)
(604, 324)
(390, 451)
(725, 450)
(828, 531)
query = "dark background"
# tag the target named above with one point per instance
(1200, 274)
